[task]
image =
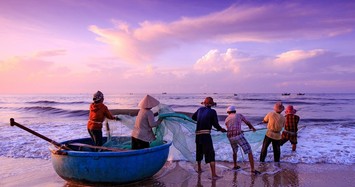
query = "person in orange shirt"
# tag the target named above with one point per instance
(98, 113)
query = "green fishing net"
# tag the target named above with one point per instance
(178, 128)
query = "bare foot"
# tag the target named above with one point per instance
(216, 177)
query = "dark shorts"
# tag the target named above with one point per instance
(139, 144)
(204, 147)
(287, 136)
(96, 137)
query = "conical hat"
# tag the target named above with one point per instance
(148, 102)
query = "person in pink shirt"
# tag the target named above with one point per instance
(236, 137)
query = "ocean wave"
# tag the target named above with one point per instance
(55, 111)
(56, 102)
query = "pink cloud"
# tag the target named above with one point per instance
(238, 23)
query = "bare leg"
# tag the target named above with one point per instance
(213, 170)
(293, 147)
(235, 160)
(199, 169)
(251, 160)
(252, 168)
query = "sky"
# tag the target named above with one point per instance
(155, 46)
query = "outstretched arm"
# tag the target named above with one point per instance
(249, 124)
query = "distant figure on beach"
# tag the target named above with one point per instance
(275, 122)
(142, 133)
(236, 136)
(291, 127)
(97, 114)
(206, 117)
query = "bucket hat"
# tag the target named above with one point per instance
(290, 110)
(208, 102)
(278, 107)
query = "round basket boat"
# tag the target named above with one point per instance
(117, 167)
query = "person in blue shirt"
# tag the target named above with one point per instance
(206, 117)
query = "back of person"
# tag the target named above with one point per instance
(275, 124)
(206, 117)
(291, 122)
(97, 115)
(142, 127)
(234, 123)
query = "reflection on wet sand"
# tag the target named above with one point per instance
(184, 173)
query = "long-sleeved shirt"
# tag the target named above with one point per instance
(291, 122)
(143, 126)
(206, 117)
(97, 114)
(275, 123)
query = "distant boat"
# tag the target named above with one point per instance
(164, 93)
(235, 94)
(286, 94)
(300, 93)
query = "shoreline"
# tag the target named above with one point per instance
(38, 172)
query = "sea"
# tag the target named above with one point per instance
(326, 135)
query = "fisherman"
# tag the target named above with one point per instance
(236, 137)
(291, 127)
(275, 122)
(206, 117)
(142, 133)
(97, 114)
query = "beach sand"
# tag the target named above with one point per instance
(17, 172)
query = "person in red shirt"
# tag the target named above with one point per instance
(291, 127)
(97, 114)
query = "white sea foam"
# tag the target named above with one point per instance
(327, 138)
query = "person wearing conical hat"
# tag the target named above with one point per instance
(291, 127)
(97, 113)
(275, 122)
(142, 133)
(206, 117)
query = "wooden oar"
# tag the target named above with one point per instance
(113, 149)
(63, 146)
(58, 145)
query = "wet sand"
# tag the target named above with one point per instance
(39, 172)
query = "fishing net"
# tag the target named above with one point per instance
(175, 127)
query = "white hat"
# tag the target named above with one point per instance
(148, 102)
(231, 108)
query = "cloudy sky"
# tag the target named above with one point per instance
(154, 46)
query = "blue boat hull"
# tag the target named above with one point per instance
(109, 167)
